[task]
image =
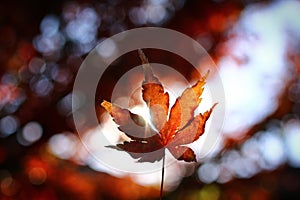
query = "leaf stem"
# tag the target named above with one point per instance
(162, 178)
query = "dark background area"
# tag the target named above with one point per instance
(37, 70)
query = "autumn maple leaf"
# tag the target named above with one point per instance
(173, 129)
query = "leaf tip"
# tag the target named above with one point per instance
(143, 57)
(206, 75)
(106, 105)
(149, 76)
(215, 104)
(114, 147)
(140, 51)
(213, 107)
(207, 113)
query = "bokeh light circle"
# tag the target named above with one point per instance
(97, 62)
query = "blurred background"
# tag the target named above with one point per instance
(255, 44)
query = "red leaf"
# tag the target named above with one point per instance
(183, 109)
(193, 130)
(181, 128)
(183, 153)
(154, 95)
(133, 125)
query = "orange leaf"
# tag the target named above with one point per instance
(144, 151)
(154, 95)
(193, 130)
(182, 127)
(183, 109)
(183, 153)
(133, 125)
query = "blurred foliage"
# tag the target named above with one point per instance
(42, 44)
